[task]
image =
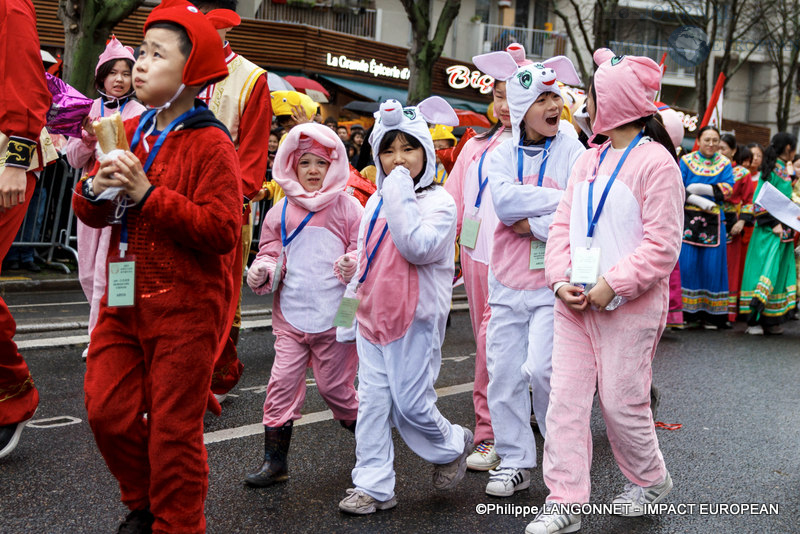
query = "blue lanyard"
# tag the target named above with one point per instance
(371, 255)
(481, 182)
(121, 107)
(545, 153)
(149, 115)
(593, 218)
(303, 224)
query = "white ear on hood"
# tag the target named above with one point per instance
(499, 65)
(565, 70)
(436, 110)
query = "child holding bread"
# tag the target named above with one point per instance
(172, 276)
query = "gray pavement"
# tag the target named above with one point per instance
(735, 395)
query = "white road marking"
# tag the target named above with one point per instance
(307, 419)
(52, 422)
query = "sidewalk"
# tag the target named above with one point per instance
(47, 280)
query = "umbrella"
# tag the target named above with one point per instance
(471, 118)
(310, 87)
(365, 108)
(276, 83)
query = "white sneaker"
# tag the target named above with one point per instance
(756, 330)
(446, 476)
(359, 503)
(505, 481)
(221, 397)
(633, 497)
(484, 456)
(550, 522)
(85, 353)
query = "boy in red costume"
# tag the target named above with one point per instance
(149, 367)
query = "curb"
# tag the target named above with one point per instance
(48, 284)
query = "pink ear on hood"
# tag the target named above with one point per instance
(436, 110)
(500, 65)
(565, 70)
(601, 55)
(648, 72)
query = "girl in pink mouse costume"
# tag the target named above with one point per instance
(403, 279)
(527, 176)
(620, 224)
(304, 233)
(113, 82)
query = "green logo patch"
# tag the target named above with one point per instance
(616, 59)
(525, 79)
(410, 113)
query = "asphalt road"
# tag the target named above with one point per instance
(735, 395)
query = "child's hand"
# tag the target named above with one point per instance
(573, 297)
(778, 230)
(347, 268)
(106, 176)
(737, 227)
(132, 176)
(522, 227)
(257, 275)
(601, 294)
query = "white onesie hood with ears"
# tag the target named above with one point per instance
(524, 83)
(413, 121)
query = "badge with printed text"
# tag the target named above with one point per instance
(121, 282)
(585, 265)
(537, 255)
(346, 313)
(469, 231)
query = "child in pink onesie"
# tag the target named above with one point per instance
(403, 275)
(468, 184)
(113, 82)
(527, 176)
(615, 239)
(302, 235)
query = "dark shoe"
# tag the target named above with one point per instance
(13, 266)
(137, 522)
(9, 437)
(655, 400)
(30, 266)
(349, 425)
(774, 330)
(276, 449)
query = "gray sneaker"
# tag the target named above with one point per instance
(633, 497)
(359, 503)
(551, 521)
(446, 476)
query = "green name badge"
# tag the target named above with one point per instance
(537, 255)
(469, 231)
(121, 283)
(346, 313)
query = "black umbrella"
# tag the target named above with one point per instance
(365, 108)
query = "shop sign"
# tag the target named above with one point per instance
(460, 77)
(370, 67)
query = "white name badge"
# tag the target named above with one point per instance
(536, 260)
(121, 283)
(346, 313)
(585, 265)
(469, 231)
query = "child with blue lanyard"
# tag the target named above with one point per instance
(173, 270)
(307, 230)
(527, 176)
(399, 294)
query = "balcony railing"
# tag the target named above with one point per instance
(332, 16)
(539, 44)
(655, 53)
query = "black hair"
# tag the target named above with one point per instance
(365, 154)
(774, 149)
(729, 139)
(389, 138)
(105, 70)
(742, 154)
(704, 129)
(215, 4)
(184, 44)
(331, 120)
(491, 131)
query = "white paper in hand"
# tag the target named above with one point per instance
(779, 206)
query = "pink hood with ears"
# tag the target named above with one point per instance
(283, 170)
(625, 87)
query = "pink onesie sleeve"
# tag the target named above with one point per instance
(269, 246)
(557, 257)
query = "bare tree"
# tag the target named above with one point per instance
(424, 51)
(87, 26)
(600, 27)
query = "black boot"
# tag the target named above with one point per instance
(276, 448)
(349, 425)
(137, 522)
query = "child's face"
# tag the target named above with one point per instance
(441, 144)
(118, 81)
(726, 149)
(541, 119)
(272, 146)
(756, 157)
(311, 170)
(401, 154)
(158, 72)
(501, 104)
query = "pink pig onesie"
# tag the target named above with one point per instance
(405, 300)
(93, 242)
(308, 294)
(519, 336)
(639, 237)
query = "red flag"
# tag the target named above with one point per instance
(713, 115)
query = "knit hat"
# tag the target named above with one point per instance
(323, 142)
(283, 101)
(525, 81)
(206, 63)
(223, 18)
(625, 87)
(114, 51)
(440, 132)
(413, 121)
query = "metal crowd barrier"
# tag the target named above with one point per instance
(49, 223)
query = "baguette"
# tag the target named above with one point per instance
(110, 133)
